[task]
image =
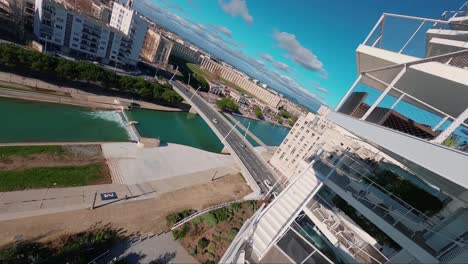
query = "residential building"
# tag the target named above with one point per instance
(156, 48)
(128, 21)
(73, 33)
(241, 80)
(237, 97)
(185, 51)
(16, 17)
(404, 201)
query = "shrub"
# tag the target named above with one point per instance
(232, 233)
(174, 218)
(203, 242)
(181, 233)
(196, 220)
(212, 247)
(221, 214)
(211, 255)
(209, 220)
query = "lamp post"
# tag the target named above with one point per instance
(188, 82)
(247, 130)
(195, 92)
(225, 138)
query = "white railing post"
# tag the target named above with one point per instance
(348, 92)
(412, 36)
(440, 124)
(397, 101)
(374, 28)
(384, 93)
(449, 130)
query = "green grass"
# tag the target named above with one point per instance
(44, 177)
(30, 150)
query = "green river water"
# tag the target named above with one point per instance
(25, 121)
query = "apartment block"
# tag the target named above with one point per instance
(156, 48)
(241, 80)
(186, 52)
(405, 198)
(77, 34)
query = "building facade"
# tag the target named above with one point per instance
(241, 80)
(156, 48)
(72, 33)
(404, 199)
(186, 52)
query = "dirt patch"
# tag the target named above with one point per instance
(74, 155)
(144, 216)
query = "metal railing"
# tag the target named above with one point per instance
(408, 220)
(358, 247)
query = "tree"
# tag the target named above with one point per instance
(171, 96)
(227, 104)
(258, 112)
(285, 114)
(279, 119)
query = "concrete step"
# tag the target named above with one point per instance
(114, 168)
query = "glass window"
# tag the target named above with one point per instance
(294, 246)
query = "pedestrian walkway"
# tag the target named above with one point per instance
(130, 164)
(26, 203)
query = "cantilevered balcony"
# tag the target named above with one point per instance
(353, 181)
(347, 239)
(414, 74)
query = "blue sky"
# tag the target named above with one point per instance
(302, 48)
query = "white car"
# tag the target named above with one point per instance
(268, 184)
(215, 120)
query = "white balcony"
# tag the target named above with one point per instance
(407, 226)
(436, 164)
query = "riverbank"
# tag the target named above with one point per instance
(16, 86)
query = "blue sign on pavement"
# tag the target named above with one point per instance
(108, 196)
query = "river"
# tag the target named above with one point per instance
(271, 135)
(27, 121)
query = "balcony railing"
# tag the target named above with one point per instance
(352, 176)
(391, 98)
(361, 250)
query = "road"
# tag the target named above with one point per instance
(244, 150)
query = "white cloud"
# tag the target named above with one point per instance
(266, 57)
(224, 49)
(281, 66)
(237, 8)
(298, 53)
(221, 29)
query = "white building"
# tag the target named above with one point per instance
(404, 203)
(83, 36)
(232, 75)
(128, 21)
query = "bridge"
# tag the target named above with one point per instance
(254, 168)
(252, 135)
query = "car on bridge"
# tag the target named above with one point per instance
(215, 120)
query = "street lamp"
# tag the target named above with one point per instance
(195, 92)
(225, 138)
(247, 130)
(188, 82)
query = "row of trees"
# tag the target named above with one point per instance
(16, 58)
(196, 80)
